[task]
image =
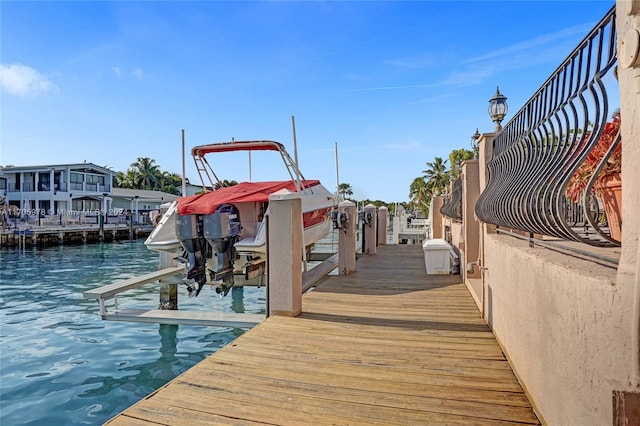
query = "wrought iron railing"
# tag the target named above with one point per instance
(452, 206)
(543, 145)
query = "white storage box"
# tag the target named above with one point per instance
(436, 256)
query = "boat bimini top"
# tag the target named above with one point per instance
(205, 170)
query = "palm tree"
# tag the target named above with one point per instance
(147, 173)
(419, 194)
(225, 183)
(456, 157)
(126, 179)
(345, 189)
(169, 183)
(436, 176)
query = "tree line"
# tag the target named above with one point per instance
(435, 179)
(144, 173)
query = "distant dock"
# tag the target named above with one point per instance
(388, 344)
(29, 235)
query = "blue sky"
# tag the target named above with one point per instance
(393, 83)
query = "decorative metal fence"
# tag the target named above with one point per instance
(540, 154)
(452, 206)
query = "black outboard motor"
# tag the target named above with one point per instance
(189, 233)
(221, 229)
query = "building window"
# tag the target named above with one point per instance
(95, 179)
(76, 177)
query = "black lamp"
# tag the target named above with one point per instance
(498, 108)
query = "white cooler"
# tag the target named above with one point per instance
(437, 256)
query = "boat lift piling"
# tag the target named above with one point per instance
(347, 222)
(383, 221)
(369, 229)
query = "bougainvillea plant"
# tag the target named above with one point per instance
(578, 182)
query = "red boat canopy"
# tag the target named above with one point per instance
(237, 146)
(241, 193)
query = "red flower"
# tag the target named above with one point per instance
(578, 182)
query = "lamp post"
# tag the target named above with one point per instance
(474, 143)
(498, 108)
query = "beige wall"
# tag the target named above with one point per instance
(561, 322)
(628, 24)
(471, 192)
(435, 217)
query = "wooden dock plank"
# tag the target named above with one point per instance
(386, 345)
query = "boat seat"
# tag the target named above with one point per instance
(253, 244)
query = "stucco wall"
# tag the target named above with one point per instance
(563, 323)
(435, 217)
(627, 24)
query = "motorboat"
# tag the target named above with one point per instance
(221, 232)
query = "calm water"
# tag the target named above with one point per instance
(60, 364)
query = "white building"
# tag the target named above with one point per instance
(54, 189)
(74, 189)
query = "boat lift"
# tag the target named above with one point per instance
(174, 316)
(164, 316)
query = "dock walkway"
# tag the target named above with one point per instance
(386, 345)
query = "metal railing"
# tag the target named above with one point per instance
(452, 206)
(543, 145)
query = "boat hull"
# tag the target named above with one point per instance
(317, 203)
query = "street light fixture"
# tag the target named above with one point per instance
(474, 143)
(498, 108)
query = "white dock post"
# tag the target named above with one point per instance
(396, 228)
(285, 254)
(370, 229)
(347, 239)
(383, 222)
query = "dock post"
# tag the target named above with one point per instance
(370, 229)
(168, 288)
(347, 239)
(284, 257)
(101, 228)
(383, 221)
(396, 227)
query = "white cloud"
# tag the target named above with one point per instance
(22, 80)
(117, 71)
(535, 43)
(139, 73)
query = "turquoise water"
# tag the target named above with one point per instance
(60, 364)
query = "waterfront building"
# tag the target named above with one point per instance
(46, 192)
(57, 188)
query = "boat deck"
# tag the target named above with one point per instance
(386, 345)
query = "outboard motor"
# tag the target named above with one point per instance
(189, 233)
(221, 229)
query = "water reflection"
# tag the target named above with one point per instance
(237, 300)
(61, 364)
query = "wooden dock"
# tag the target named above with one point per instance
(386, 345)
